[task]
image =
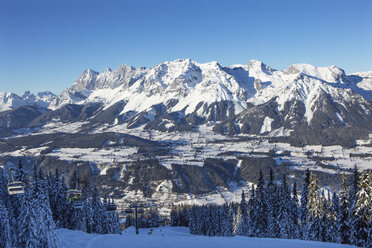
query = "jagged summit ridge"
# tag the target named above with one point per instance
(182, 94)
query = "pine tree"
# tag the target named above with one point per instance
(20, 174)
(342, 218)
(193, 220)
(174, 216)
(89, 216)
(363, 211)
(27, 231)
(242, 224)
(47, 216)
(332, 217)
(313, 211)
(261, 209)
(295, 233)
(98, 213)
(115, 223)
(227, 221)
(44, 222)
(75, 181)
(284, 211)
(303, 208)
(78, 220)
(5, 236)
(252, 222)
(325, 225)
(271, 198)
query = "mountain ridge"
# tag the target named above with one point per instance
(182, 94)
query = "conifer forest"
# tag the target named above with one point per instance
(274, 209)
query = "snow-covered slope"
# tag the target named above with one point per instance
(175, 237)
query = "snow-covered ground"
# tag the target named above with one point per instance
(192, 148)
(177, 237)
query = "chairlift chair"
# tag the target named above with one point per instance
(16, 187)
(74, 196)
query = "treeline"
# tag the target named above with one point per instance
(274, 210)
(30, 219)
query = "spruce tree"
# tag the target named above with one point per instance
(261, 209)
(5, 235)
(295, 233)
(332, 217)
(271, 198)
(27, 223)
(98, 213)
(342, 218)
(325, 225)
(303, 208)
(252, 222)
(284, 211)
(313, 211)
(363, 211)
(242, 224)
(227, 221)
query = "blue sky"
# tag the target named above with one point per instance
(45, 45)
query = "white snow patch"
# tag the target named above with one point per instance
(266, 125)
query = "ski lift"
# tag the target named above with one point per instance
(74, 196)
(15, 187)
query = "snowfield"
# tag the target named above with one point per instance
(178, 237)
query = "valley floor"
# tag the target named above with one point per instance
(178, 237)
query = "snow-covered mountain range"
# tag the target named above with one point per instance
(180, 94)
(189, 87)
(185, 127)
(9, 101)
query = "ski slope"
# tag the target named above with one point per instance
(177, 237)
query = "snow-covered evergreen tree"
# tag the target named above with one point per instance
(342, 218)
(5, 235)
(303, 208)
(324, 212)
(332, 218)
(313, 210)
(363, 212)
(242, 220)
(271, 201)
(227, 221)
(252, 222)
(27, 223)
(98, 213)
(295, 232)
(284, 213)
(78, 219)
(261, 209)
(115, 226)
